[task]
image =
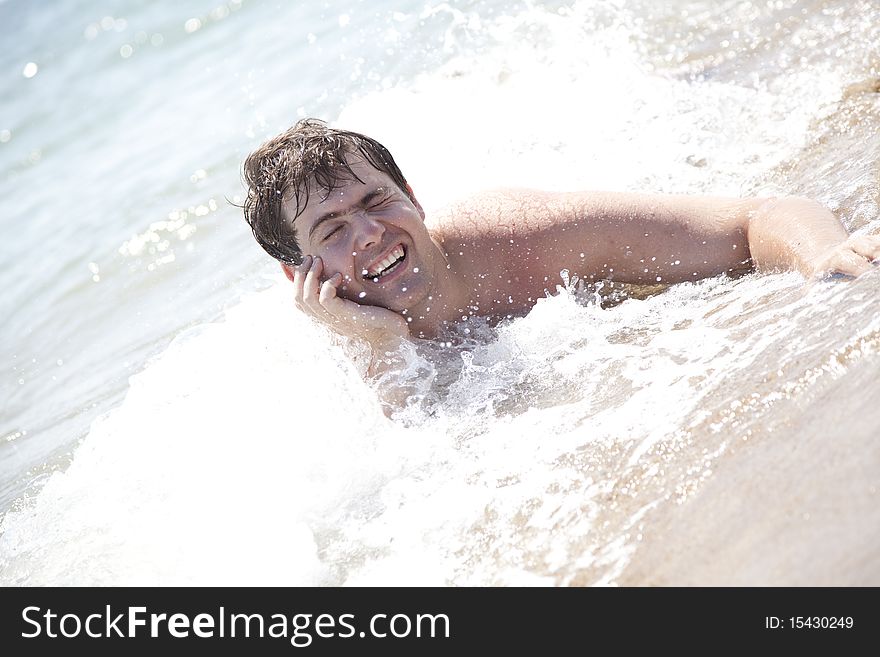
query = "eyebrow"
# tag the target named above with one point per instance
(363, 201)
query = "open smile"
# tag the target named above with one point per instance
(387, 265)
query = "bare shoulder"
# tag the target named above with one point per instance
(495, 213)
(522, 212)
(595, 233)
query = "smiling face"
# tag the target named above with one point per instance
(372, 233)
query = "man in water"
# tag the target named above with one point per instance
(333, 207)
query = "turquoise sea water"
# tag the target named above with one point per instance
(150, 391)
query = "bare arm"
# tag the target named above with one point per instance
(384, 331)
(797, 233)
(637, 238)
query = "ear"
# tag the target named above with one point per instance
(415, 201)
(288, 271)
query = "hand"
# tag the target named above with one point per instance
(852, 257)
(320, 301)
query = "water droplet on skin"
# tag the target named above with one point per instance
(403, 289)
(362, 295)
(354, 253)
(415, 270)
(364, 272)
(376, 280)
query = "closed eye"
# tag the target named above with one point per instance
(331, 233)
(380, 203)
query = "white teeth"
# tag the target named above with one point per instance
(395, 255)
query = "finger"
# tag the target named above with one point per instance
(867, 246)
(299, 276)
(311, 292)
(312, 282)
(851, 263)
(340, 308)
(328, 289)
(306, 282)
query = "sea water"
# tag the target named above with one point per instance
(169, 418)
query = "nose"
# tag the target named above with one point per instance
(368, 231)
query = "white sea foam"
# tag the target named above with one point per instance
(252, 452)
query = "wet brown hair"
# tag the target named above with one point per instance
(308, 152)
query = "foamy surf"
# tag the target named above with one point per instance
(545, 461)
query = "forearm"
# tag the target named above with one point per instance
(387, 355)
(791, 233)
(390, 356)
(384, 333)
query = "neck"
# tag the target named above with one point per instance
(445, 304)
